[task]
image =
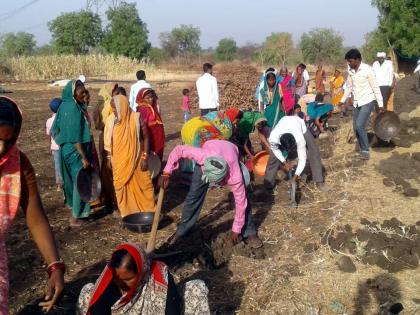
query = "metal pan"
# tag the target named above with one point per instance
(88, 184)
(138, 222)
(387, 125)
(154, 164)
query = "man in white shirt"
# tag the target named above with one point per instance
(136, 87)
(291, 135)
(361, 83)
(384, 74)
(208, 93)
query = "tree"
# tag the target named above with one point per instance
(126, 34)
(157, 55)
(75, 32)
(18, 44)
(399, 23)
(276, 48)
(182, 41)
(247, 52)
(226, 50)
(374, 42)
(321, 45)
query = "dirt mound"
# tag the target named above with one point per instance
(406, 99)
(391, 245)
(398, 169)
(236, 84)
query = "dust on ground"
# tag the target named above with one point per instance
(297, 271)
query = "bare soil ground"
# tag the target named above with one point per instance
(354, 250)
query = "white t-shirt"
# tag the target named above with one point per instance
(297, 128)
(208, 92)
(135, 88)
(384, 73)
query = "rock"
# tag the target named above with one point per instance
(404, 116)
(415, 156)
(414, 113)
(411, 192)
(345, 264)
(388, 182)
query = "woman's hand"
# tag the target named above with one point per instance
(85, 163)
(54, 289)
(164, 181)
(144, 164)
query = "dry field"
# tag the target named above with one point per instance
(337, 253)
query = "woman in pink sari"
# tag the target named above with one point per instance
(287, 90)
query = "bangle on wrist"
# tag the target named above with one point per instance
(56, 265)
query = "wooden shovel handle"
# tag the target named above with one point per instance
(152, 240)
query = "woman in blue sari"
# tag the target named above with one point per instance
(71, 132)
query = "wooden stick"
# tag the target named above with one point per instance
(152, 240)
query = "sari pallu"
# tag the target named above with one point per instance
(287, 92)
(273, 111)
(151, 116)
(337, 89)
(133, 187)
(70, 127)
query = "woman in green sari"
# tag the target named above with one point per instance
(271, 100)
(71, 132)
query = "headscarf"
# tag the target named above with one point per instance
(55, 104)
(248, 122)
(71, 123)
(214, 169)
(140, 100)
(106, 93)
(10, 182)
(125, 142)
(149, 293)
(232, 114)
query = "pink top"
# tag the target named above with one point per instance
(186, 103)
(227, 151)
(49, 124)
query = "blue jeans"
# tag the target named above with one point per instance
(361, 116)
(57, 167)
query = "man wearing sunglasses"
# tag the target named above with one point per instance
(289, 138)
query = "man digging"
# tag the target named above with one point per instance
(217, 163)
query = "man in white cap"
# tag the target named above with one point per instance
(384, 74)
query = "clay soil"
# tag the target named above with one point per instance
(353, 250)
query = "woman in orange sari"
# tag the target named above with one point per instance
(336, 87)
(130, 148)
(149, 112)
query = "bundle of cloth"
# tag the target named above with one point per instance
(198, 130)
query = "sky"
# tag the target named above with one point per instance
(246, 21)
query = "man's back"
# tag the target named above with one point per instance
(207, 91)
(135, 88)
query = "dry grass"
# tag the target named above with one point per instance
(34, 68)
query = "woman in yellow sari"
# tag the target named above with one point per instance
(336, 87)
(130, 149)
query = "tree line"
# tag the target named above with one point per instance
(127, 35)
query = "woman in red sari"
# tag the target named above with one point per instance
(149, 112)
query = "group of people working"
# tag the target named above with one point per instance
(130, 129)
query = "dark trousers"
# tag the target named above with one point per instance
(361, 116)
(313, 155)
(386, 92)
(207, 110)
(194, 202)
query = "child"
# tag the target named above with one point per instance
(186, 104)
(54, 148)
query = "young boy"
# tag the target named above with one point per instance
(54, 148)
(186, 104)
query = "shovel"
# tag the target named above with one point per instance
(152, 239)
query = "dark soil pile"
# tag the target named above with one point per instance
(237, 85)
(406, 99)
(391, 245)
(399, 168)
